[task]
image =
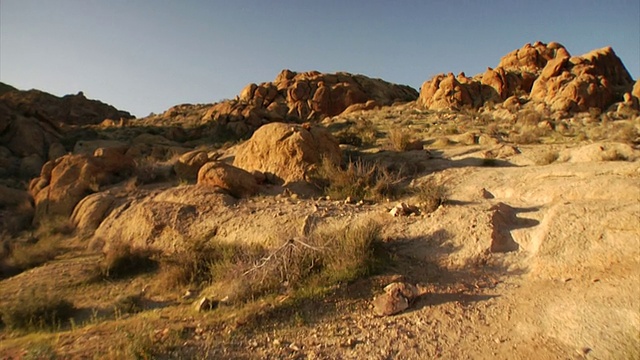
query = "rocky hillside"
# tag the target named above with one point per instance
(269, 226)
(33, 123)
(292, 97)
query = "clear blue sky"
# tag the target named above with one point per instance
(145, 56)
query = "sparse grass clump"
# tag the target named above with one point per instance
(121, 261)
(308, 265)
(19, 256)
(34, 310)
(204, 261)
(358, 180)
(313, 264)
(431, 195)
(358, 133)
(399, 139)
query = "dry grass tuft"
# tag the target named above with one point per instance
(358, 180)
(431, 195)
(201, 262)
(34, 310)
(311, 265)
(122, 261)
(17, 257)
(399, 139)
(247, 272)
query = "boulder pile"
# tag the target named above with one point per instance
(304, 96)
(542, 72)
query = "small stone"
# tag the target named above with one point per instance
(294, 347)
(205, 304)
(390, 304)
(276, 342)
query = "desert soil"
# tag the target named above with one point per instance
(568, 288)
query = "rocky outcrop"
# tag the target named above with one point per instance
(67, 110)
(543, 72)
(594, 80)
(515, 72)
(67, 180)
(286, 152)
(303, 96)
(32, 124)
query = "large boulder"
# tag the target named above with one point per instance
(532, 58)
(286, 152)
(91, 211)
(233, 180)
(168, 220)
(189, 163)
(26, 135)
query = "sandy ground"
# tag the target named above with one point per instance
(562, 281)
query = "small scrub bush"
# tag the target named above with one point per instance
(529, 134)
(399, 139)
(430, 195)
(129, 304)
(529, 118)
(121, 261)
(203, 261)
(359, 133)
(323, 259)
(37, 311)
(21, 256)
(359, 180)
